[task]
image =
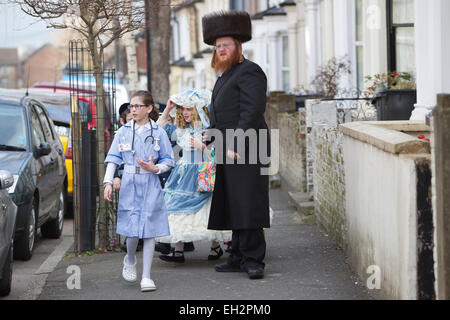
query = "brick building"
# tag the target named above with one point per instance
(44, 64)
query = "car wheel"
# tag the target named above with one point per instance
(53, 228)
(5, 282)
(23, 247)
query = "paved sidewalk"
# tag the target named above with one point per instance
(301, 263)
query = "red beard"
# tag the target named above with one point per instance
(225, 65)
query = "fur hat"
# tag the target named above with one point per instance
(236, 24)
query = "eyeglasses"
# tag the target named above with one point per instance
(224, 46)
(136, 106)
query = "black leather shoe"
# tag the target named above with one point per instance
(189, 246)
(226, 267)
(175, 256)
(164, 248)
(255, 272)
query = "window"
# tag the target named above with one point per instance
(359, 44)
(13, 127)
(238, 5)
(285, 63)
(36, 129)
(45, 124)
(401, 36)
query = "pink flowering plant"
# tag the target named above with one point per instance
(392, 80)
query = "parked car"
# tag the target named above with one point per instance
(8, 212)
(121, 93)
(58, 107)
(31, 150)
(86, 96)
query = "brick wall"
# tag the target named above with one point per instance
(281, 114)
(324, 165)
(329, 181)
(45, 64)
(293, 149)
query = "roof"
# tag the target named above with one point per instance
(182, 63)
(35, 52)
(273, 11)
(185, 4)
(288, 3)
(200, 53)
(9, 56)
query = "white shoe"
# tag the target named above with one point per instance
(147, 285)
(129, 271)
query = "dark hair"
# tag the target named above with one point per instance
(123, 115)
(147, 99)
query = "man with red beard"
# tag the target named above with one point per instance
(241, 195)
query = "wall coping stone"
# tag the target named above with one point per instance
(387, 135)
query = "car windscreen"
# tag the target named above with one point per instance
(13, 130)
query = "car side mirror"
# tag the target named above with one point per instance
(6, 179)
(43, 149)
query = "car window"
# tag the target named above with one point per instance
(62, 130)
(13, 129)
(48, 132)
(36, 128)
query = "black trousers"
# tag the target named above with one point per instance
(248, 248)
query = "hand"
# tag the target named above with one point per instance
(204, 135)
(233, 155)
(117, 183)
(149, 166)
(170, 105)
(107, 192)
(196, 143)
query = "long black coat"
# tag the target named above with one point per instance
(241, 194)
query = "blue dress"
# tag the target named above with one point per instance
(188, 209)
(181, 187)
(142, 211)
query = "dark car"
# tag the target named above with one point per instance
(8, 212)
(31, 150)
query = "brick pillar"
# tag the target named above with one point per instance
(441, 122)
(272, 111)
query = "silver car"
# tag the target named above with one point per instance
(8, 212)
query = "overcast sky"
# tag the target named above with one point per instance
(18, 29)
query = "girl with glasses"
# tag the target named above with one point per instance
(146, 152)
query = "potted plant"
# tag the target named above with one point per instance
(394, 95)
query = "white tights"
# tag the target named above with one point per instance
(147, 256)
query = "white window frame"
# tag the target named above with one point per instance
(283, 68)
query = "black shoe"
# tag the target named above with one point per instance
(219, 252)
(226, 267)
(189, 246)
(164, 248)
(173, 257)
(255, 272)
